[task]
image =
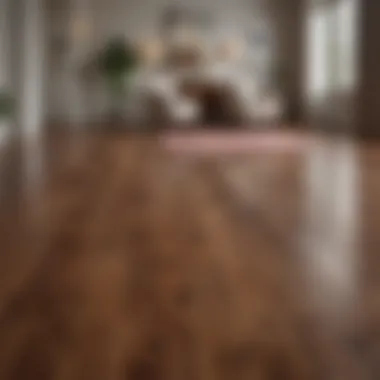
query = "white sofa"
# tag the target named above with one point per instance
(162, 100)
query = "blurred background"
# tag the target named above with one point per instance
(254, 63)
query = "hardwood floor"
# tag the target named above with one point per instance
(119, 260)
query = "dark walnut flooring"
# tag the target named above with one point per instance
(120, 260)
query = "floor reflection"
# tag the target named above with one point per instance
(33, 180)
(329, 250)
(32, 165)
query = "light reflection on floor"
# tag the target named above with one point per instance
(329, 248)
(33, 165)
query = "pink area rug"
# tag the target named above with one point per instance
(241, 142)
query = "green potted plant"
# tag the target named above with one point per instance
(116, 63)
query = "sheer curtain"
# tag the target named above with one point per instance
(319, 50)
(346, 16)
(331, 44)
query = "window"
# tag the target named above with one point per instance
(346, 44)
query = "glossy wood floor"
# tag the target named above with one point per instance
(120, 260)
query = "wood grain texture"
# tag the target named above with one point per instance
(120, 260)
